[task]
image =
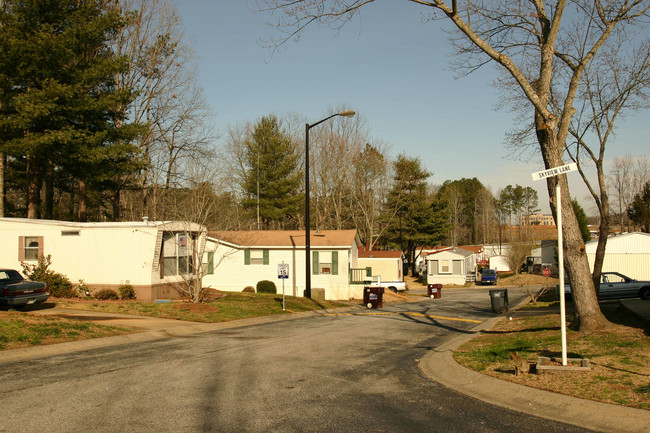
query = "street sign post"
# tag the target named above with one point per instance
(283, 274)
(554, 172)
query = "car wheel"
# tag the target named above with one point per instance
(392, 289)
(645, 294)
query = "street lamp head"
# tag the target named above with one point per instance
(347, 113)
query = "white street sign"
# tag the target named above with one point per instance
(555, 171)
(283, 270)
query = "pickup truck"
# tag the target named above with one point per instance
(16, 292)
(393, 286)
(618, 286)
(488, 276)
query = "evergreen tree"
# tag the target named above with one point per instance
(59, 107)
(582, 220)
(272, 175)
(414, 222)
(639, 210)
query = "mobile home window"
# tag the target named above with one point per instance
(325, 262)
(256, 257)
(31, 247)
(445, 267)
(177, 250)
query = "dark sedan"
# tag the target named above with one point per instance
(16, 292)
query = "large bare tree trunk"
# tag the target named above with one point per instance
(587, 316)
(32, 188)
(82, 210)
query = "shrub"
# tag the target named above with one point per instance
(59, 286)
(266, 286)
(126, 291)
(105, 294)
(249, 289)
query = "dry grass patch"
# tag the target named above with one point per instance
(19, 330)
(620, 374)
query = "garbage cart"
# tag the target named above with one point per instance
(434, 291)
(373, 296)
(499, 300)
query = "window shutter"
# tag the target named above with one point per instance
(247, 257)
(335, 262)
(21, 248)
(210, 262)
(369, 271)
(314, 263)
(41, 247)
(265, 259)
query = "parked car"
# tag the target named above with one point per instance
(393, 286)
(489, 276)
(15, 291)
(617, 286)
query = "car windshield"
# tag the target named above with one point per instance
(10, 274)
(488, 272)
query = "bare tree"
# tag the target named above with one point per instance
(625, 179)
(369, 188)
(169, 99)
(543, 50)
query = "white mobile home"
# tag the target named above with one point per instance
(448, 266)
(237, 259)
(628, 254)
(152, 256)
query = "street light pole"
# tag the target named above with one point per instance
(347, 113)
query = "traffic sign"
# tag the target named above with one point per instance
(555, 171)
(283, 270)
(547, 272)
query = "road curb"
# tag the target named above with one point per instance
(440, 366)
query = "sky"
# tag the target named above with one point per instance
(392, 67)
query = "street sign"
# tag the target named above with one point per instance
(283, 270)
(547, 272)
(555, 171)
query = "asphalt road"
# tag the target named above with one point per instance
(354, 372)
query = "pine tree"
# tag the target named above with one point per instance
(59, 107)
(272, 175)
(416, 222)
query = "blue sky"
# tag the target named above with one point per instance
(391, 67)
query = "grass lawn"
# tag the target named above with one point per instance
(22, 329)
(19, 330)
(225, 307)
(621, 367)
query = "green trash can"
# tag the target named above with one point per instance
(499, 300)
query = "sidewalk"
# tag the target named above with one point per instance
(440, 366)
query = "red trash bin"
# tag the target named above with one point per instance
(434, 291)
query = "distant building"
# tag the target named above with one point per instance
(537, 220)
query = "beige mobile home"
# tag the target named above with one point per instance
(386, 264)
(628, 254)
(154, 257)
(448, 266)
(237, 259)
